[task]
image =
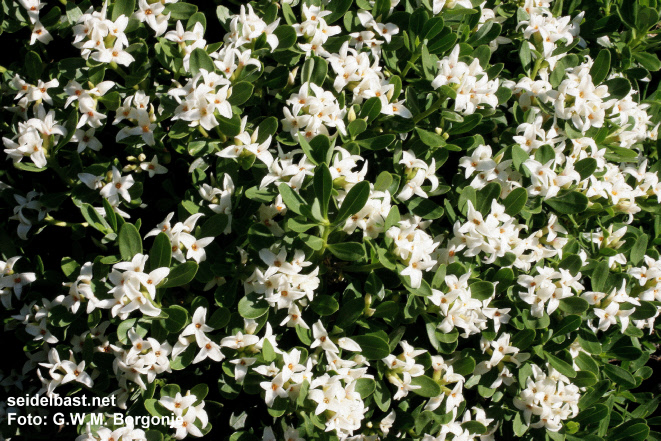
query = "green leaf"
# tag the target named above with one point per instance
(323, 185)
(377, 142)
(533, 322)
(252, 307)
(199, 59)
(586, 167)
(338, 8)
(214, 226)
(568, 324)
(383, 181)
(624, 352)
(181, 275)
(292, 200)
(600, 68)
(621, 377)
(586, 363)
(155, 408)
(600, 275)
(373, 347)
(560, 365)
(584, 379)
(425, 208)
(634, 430)
(431, 139)
(381, 9)
(470, 122)
(160, 254)
(386, 309)
(639, 249)
(449, 337)
(324, 305)
(464, 366)
(307, 149)
(523, 339)
(268, 352)
(442, 44)
(288, 13)
(94, 219)
(646, 409)
(350, 312)
(314, 70)
(644, 311)
(229, 127)
(130, 242)
(592, 415)
(481, 290)
(594, 394)
(200, 391)
(428, 387)
(649, 61)
(69, 266)
(486, 195)
(180, 10)
(241, 92)
(518, 425)
(122, 7)
(525, 56)
(618, 88)
(571, 202)
(515, 201)
(574, 305)
(33, 66)
(353, 202)
(356, 127)
(365, 387)
(260, 236)
(382, 396)
(220, 318)
(314, 242)
(474, 427)
(589, 341)
(370, 109)
(424, 290)
(467, 194)
(571, 263)
(300, 401)
(286, 37)
(177, 319)
(519, 156)
(349, 251)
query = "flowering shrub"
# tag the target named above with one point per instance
(347, 219)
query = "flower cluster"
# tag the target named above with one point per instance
(549, 396)
(283, 285)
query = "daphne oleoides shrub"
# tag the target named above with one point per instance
(346, 219)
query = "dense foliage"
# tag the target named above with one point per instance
(347, 219)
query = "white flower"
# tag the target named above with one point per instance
(119, 186)
(274, 389)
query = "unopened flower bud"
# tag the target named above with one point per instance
(250, 326)
(142, 157)
(352, 115)
(291, 80)
(438, 130)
